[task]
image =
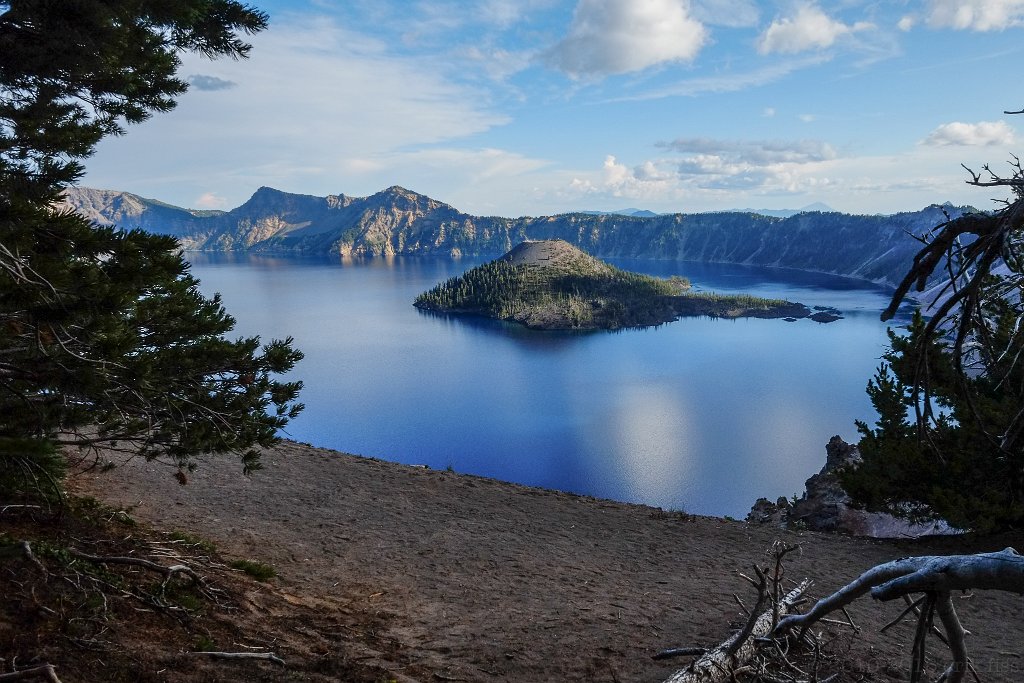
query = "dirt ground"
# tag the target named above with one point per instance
(436, 576)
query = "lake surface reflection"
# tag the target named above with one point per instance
(702, 415)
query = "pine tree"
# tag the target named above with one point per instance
(950, 396)
(105, 339)
(954, 466)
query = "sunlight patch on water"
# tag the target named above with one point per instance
(650, 443)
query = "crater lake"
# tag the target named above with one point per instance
(702, 415)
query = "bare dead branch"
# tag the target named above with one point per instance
(755, 614)
(167, 571)
(680, 652)
(924, 625)
(27, 549)
(268, 656)
(936, 576)
(44, 671)
(717, 664)
(911, 607)
(955, 634)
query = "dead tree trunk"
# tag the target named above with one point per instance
(721, 663)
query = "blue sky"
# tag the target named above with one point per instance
(533, 107)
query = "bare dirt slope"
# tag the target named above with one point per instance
(467, 579)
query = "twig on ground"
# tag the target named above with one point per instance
(680, 652)
(269, 656)
(27, 549)
(44, 671)
(168, 572)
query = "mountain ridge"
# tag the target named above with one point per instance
(398, 221)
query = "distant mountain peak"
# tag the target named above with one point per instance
(399, 191)
(266, 190)
(820, 207)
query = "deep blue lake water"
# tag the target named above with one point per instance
(701, 415)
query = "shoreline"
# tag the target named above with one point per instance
(677, 308)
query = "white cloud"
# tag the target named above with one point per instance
(501, 12)
(704, 167)
(906, 23)
(470, 165)
(313, 96)
(730, 82)
(731, 13)
(755, 152)
(808, 29)
(210, 200)
(650, 180)
(976, 15)
(768, 112)
(620, 36)
(497, 63)
(505, 13)
(982, 134)
(708, 174)
(204, 82)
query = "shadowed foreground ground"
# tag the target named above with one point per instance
(444, 577)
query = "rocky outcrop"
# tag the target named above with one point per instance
(399, 221)
(825, 505)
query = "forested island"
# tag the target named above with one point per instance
(552, 285)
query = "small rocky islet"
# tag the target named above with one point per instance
(553, 285)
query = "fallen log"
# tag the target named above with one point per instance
(722, 662)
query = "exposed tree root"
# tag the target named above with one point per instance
(44, 672)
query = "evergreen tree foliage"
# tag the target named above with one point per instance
(949, 440)
(105, 339)
(955, 466)
(610, 298)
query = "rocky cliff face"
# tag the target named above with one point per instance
(825, 505)
(398, 221)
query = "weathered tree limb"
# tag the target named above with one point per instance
(935, 576)
(720, 663)
(680, 652)
(44, 671)
(956, 635)
(27, 549)
(168, 572)
(269, 656)
(1003, 570)
(748, 628)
